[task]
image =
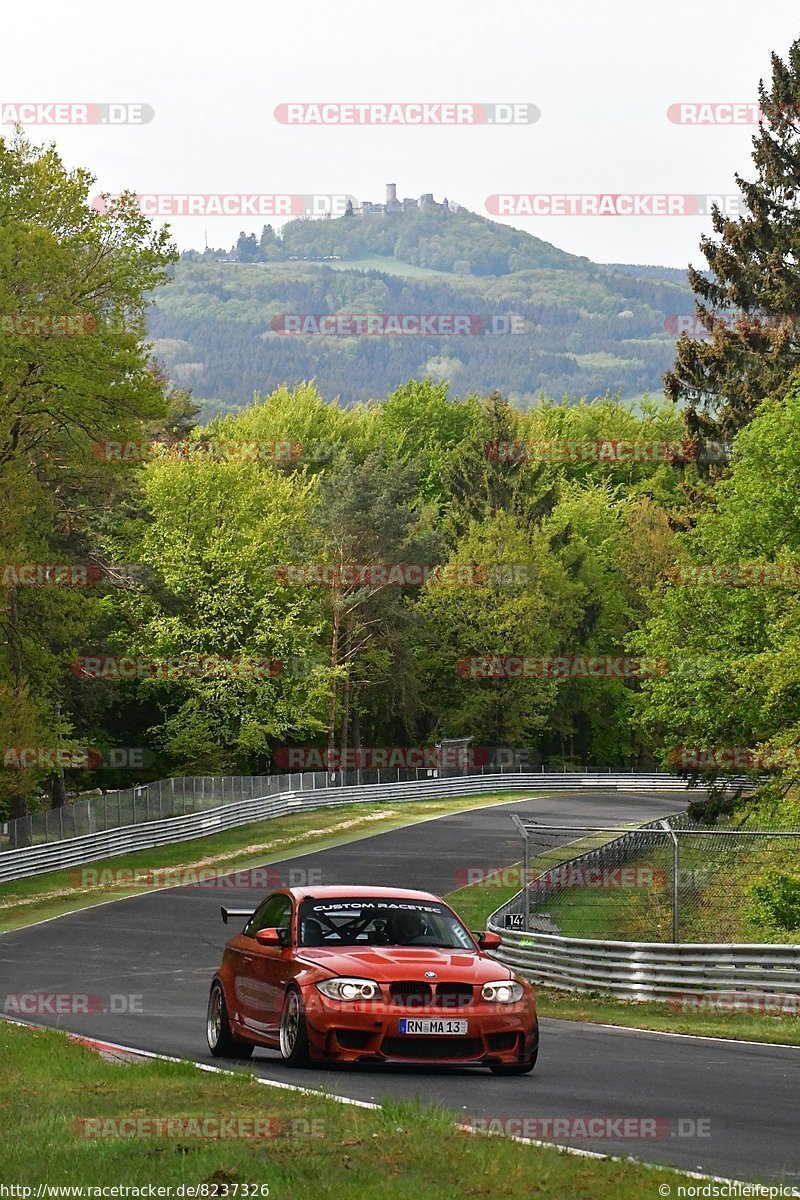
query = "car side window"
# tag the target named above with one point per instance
(274, 913)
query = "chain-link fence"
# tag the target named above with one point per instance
(669, 881)
(169, 798)
(194, 793)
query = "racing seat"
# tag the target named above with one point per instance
(312, 934)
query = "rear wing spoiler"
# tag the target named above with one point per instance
(234, 912)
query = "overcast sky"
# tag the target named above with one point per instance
(602, 74)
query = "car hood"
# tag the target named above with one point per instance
(386, 964)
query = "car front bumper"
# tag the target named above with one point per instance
(361, 1032)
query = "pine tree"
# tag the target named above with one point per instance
(749, 299)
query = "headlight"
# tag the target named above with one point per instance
(503, 991)
(345, 988)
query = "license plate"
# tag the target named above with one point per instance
(412, 1025)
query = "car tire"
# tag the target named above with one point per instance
(523, 1068)
(293, 1030)
(221, 1042)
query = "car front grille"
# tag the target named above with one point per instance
(411, 993)
(453, 995)
(432, 1047)
(417, 993)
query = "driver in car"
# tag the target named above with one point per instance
(409, 929)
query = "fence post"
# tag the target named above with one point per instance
(675, 881)
(526, 899)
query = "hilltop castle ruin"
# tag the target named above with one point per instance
(392, 205)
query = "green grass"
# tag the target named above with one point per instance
(389, 266)
(42, 896)
(669, 1017)
(48, 1083)
(478, 901)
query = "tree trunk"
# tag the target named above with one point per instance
(58, 790)
(332, 693)
(18, 801)
(346, 693)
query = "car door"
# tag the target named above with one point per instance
(266, 970)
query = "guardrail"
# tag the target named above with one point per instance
(680, 972)
(653, 970)
(36, 860)
(177, 797)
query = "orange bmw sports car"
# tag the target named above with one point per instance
(349, 974)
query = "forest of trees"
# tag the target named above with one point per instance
(557, 532)
(460, 242)
(577, 332)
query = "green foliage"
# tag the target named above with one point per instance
(750, 300)
(586, 329)
(74, 284)
(775, 902)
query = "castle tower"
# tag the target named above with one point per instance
(392, 205)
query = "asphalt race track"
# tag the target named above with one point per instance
(163, 948)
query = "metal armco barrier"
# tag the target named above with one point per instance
(680, 972)
(652, 970)
(36, 860)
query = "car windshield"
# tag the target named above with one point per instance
(380, 921)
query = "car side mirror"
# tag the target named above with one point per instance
(270, 937)
(488, 940)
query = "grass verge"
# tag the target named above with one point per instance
(317, 1148)
(39, 897)
(670, 1017)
